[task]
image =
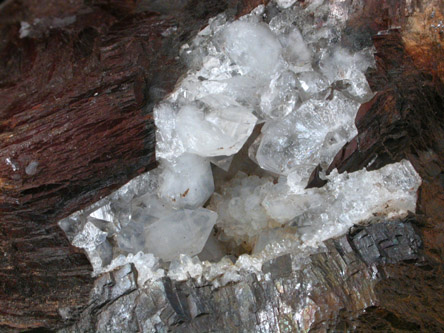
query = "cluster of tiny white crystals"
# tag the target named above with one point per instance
(292, 76)
(147, 266)
(239, 207)
(250, 206)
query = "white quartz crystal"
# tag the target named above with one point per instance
(168, 144)
(249, 205)
(240, 213)
(253, 47)
(295, 50)
(183, 232)
(311, 84)
(218, 127)
(147, 266)
(187, 182)
(152, 224)
(281, 97)
(349, 68)
(285, 3)
(184, 268)
(293, 77)
(275, 236)
(90, 237)
(148, 208)
(223, 162)
(94, 241)
(310, 135)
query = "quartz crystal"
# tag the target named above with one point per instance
(185, 231)
(153, 226)
(240, 213)
(311, 84)
(285, 3)
(168, 143)
(219, 127)
(310, 135)
(281, 97)
(90, 237)
(250, 206)
(275, 236)
(186, 182)
(253, 47)
(295, 50)
(286, 74)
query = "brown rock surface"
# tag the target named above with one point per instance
(75, 123)
(405, 119)
(386, 277)
(78, 80)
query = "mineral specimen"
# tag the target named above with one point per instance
(250, 206)
(187, 182)
(289, 74)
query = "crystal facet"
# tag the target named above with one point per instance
(280, 89)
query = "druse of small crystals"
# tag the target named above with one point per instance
(288, 73)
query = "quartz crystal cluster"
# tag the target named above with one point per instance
(257, 211)
(285, 73)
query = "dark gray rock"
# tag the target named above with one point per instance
(337, 288)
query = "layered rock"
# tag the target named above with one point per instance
(78, 83)
(365, 280)
(407, 280)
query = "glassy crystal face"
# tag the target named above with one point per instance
(187, 182)
(310, 135)
(286, 76)
(250, 206)
(183, 232)
(219, 128)
(253, 47)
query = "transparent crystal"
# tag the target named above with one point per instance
(219, 129)
(240, 213)
(147, 266)
(275, 235)
(90, 237)
(132, 238)
(310, 135)
(285, 3)
(252, 46)
(183, 232)
(281, 96)
(311, 84)
(187, 182)
(349, 69)
(137, 203)
(292, 77)
(168, 144)
(223, 162)
(249, 205)
(184, 268)
(295, 51)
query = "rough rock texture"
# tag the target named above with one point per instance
(384, 277)
(373, 278)
(78, 80)
(406, 117)
(62, 146)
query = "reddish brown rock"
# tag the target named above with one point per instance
(405, 119)
(78, 80)
(76, 122)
